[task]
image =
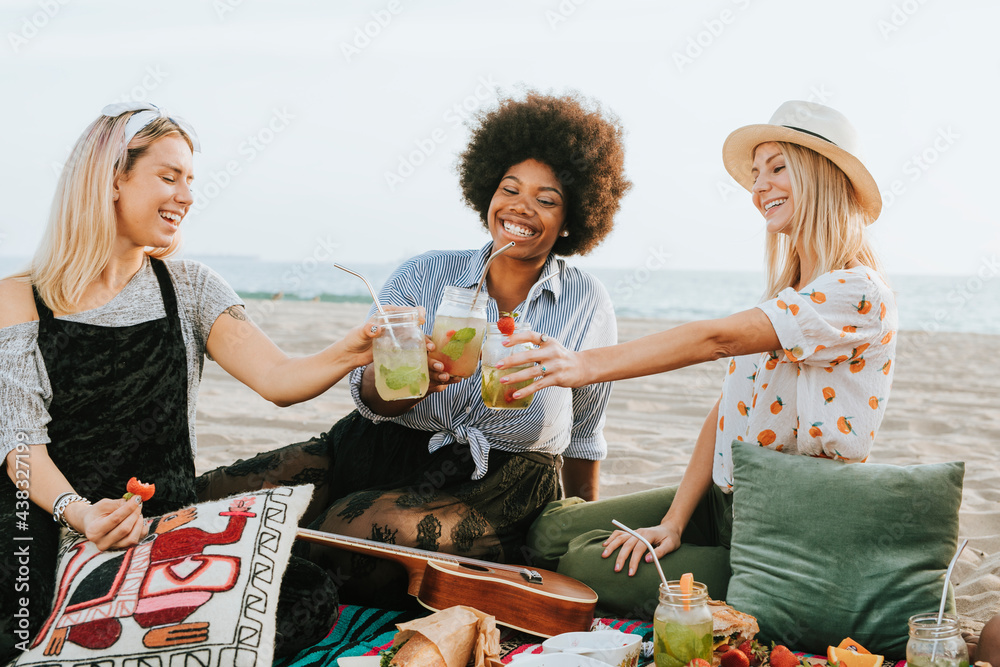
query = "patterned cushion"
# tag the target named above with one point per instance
(202, 589)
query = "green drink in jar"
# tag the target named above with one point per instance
(682, 624)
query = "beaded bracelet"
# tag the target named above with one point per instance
(59, 507)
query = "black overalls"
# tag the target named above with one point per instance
(119, 409)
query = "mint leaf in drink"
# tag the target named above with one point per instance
(465, 334)
(679, 644)
(454, 348)
(403, 376)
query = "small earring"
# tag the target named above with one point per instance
(564, 233)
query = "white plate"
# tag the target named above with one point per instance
(359, 661)
(611, 646)
(556, 660)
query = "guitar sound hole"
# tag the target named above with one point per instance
(474, 568)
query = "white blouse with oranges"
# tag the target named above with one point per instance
(824, 393)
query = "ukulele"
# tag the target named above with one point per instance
(538, 602)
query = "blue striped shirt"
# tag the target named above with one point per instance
(574, 307)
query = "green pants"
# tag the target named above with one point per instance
(568, 538)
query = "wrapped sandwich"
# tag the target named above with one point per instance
(730, 627)
(449, 638)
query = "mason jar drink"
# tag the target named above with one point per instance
(682, 626)
(459, 325)
(400, 356)
(499, 396)
(936, 644)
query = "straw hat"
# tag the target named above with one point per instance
(814, 126)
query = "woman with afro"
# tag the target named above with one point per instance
(444, 473)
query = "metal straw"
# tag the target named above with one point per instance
(487, 268)
(947, 578)
(367, 284)
(649, 546)
(378, 304)
(527, 301)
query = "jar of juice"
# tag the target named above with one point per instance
(400, 356)
(495, 395)
(934, 644)
(459, 325)
(682, 626)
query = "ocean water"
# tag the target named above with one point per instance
(969, 303)
(926, 303)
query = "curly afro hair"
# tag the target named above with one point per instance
(569, 134)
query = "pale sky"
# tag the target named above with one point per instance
(302, 115)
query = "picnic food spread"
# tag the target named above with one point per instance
(449, 638)
(730, 627)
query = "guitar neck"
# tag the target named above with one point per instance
(407, 556)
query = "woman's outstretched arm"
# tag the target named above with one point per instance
(745, 332)
(246, 353)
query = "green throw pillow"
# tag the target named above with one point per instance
(824, 550)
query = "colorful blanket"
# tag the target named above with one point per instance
(365, 631)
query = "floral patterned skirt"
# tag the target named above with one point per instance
(379, 482)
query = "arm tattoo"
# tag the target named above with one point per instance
(236, 312)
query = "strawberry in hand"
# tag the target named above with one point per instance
(137, 488)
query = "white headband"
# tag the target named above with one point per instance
(147, 114)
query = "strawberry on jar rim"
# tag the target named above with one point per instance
(506, 323)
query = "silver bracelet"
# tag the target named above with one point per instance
(59, 507)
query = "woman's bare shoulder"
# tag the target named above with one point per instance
(17, 304)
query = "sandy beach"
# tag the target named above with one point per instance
(945, 406)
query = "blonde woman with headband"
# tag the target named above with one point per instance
(809, 374)
(103, 336)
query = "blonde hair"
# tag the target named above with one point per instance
(82, 223)
(828, 221)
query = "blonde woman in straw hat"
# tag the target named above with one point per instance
(102, 343)
(809, 374)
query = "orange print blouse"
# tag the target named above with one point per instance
(824, 393)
